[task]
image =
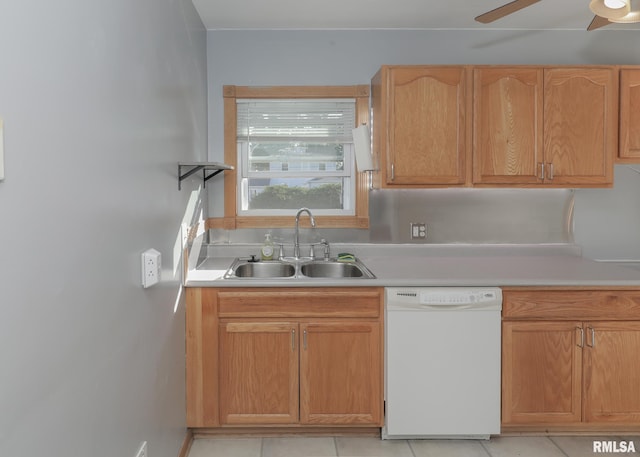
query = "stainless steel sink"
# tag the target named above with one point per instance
(267, 269)
(333, 269)
(292, 269)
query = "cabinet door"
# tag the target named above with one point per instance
(580, 121)
(426, 126)
(341, 373)
(612, 372)
(541, 372)
(629, 150)
(258, 369)
(507, 125)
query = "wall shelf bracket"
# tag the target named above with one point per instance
(193, 167)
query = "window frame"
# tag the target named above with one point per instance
(231, 219)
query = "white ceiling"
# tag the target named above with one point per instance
(392, 14)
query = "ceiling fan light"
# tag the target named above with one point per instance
(599, 8)
(615, 4)
(632, 17)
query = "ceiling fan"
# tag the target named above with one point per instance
(606, 11)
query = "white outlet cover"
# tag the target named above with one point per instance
(151, 267)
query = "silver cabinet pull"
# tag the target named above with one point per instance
(541, 176)
(293, 340)
(393, 172)
(550, 171)
(304, 340)
(581, 345)
(593, 337)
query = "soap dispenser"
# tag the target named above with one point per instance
(266, 253)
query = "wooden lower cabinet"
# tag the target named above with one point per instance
(285, 357)
(258, 372)
(570, 360)
(340, 369)
(612, 372)
(541, 373)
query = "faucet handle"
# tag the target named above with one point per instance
(327, 249)
(281, 253)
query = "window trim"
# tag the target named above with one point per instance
(231, 219)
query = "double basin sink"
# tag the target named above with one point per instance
(298, 269)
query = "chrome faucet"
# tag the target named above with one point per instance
(296, 239)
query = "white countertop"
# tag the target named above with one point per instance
(452, 266)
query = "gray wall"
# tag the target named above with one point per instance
(607, 221)
(100, 100)
(352, 57)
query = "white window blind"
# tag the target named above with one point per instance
(327, 120)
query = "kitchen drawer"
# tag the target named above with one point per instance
(295, 302)
(586, 304)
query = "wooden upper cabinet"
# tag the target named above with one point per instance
(527, 125)
(507, 125)
(419, 125)
(544, 126)
(580, 125)
(629, 149)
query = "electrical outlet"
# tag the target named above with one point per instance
(418, 230)
(151, 266)
(142, 452)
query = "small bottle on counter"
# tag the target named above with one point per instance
(266, 253)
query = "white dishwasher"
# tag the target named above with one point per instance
(442, 362)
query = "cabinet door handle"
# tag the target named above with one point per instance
(581, 345)
(393, 172)
(304, 339)
(592, 331)
(541, 176)
(293, 340)
(550, 171)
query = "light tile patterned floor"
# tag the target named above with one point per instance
(526, 446)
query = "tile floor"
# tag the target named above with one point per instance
(526, 446)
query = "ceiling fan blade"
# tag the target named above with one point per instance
(504, 10)
(597, 22)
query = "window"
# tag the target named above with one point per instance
(292, 147)
(295, 153)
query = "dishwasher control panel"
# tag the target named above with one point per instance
(456, 297)
(443, 296)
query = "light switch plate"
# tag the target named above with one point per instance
(1, 149)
